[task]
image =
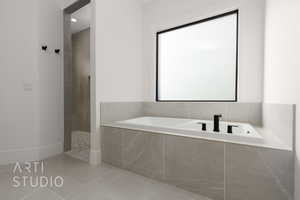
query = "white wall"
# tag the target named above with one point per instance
(50, 115)
(118, 73)
(17, 73)
(31, 100)
(282, 63)
(30, 91)
(119, 50)
(163, 14)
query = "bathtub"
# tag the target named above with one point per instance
(241, 132)
(179, 152)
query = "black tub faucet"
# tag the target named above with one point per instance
(217, 123)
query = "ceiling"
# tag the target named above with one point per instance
(83, 17)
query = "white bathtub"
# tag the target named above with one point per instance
(243, 133)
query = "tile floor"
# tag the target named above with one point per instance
(85, 182)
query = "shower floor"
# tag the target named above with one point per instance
(80, 148)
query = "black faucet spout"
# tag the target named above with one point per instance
(217, 123)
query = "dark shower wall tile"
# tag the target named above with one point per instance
(81, 81)
(195, 165)
(67, 137)
(142, 153)
(247, 176)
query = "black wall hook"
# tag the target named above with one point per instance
(57, 51)
(44, 48)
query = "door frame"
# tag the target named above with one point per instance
(67, 77)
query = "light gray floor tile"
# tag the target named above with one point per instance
(129, 186)
(43, 194)
(8, 192)
(84, 182)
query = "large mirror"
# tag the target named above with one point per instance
(198, 61)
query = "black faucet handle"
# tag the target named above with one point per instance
(203, 125)
(229, 128)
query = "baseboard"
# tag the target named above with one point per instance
(30, 154)
(95, 157)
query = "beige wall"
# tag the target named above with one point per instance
(81, 83)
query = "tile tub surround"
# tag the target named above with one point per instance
(116, 111)
(275, 122)
(280, 120)
(213, 169)
(258, 173)
(189, 165)
(238, 112)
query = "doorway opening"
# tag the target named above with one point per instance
(77, 79)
